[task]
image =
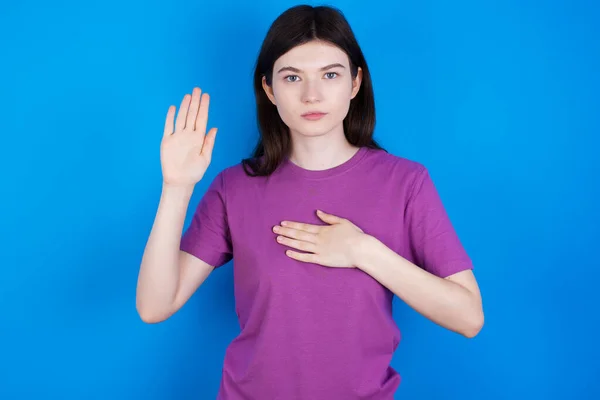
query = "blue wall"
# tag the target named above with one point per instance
(499, 100)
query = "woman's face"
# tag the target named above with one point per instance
(313, 78)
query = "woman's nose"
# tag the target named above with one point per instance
(311, 93)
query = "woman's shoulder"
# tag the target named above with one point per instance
(387, 160)
(235, 175)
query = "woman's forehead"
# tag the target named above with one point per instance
(312, 56)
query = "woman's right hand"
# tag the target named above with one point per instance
(186, 149)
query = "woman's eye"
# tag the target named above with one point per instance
(294, 78)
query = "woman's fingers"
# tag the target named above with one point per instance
(169, 121)
(190, 123)
(182, 115)
(202, 119)
(192, 115)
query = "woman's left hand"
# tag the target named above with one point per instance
(335, 245)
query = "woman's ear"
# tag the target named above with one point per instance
(356, 83)
(268, 90)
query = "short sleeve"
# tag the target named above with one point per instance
(208, 237)
(434, 244)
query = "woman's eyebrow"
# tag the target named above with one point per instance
(325, 68)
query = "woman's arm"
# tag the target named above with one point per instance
(453, 302)
(168, 276)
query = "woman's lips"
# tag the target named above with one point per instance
(313, 116)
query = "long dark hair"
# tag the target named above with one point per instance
(294, 27)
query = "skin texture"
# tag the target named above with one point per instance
(315, 144)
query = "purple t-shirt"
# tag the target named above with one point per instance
(310, 331)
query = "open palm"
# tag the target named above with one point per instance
(186, 149)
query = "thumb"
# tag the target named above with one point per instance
(330, 219)
(209, 143)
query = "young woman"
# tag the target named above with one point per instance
(323, 225)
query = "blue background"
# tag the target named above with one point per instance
(498, 99)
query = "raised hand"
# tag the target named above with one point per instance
(186, 149)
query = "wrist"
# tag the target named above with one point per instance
(179, 191)
(365, 246)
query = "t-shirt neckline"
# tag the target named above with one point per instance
(329, 172)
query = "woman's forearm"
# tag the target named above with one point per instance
(444, 302)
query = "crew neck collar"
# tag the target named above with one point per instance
(329, 172)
